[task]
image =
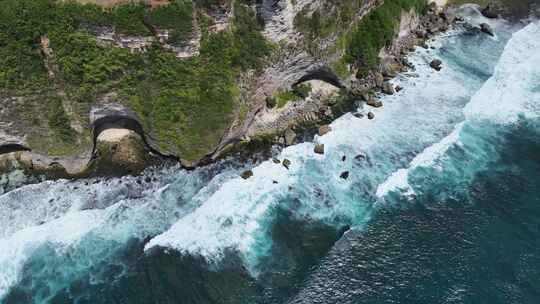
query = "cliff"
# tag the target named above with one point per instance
(190, 80)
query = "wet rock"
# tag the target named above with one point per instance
(344, 158)
(319, 149)
(274, 182)
(370, 115)
(360, 157)
(344, 175)
(388, 88)
(290, 137)
(286, 163)
(247, 174)
(485, 28)
(489, 12)
(358, 115)
(374, 103)
(147, 179)
(324, 129)
(276, 161)
(436, 64)
(399, 88)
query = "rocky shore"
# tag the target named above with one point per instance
(120, 144)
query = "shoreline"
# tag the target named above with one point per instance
(87, 165)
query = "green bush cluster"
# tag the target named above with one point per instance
(177, 16)
(375, 31)
(58, 121)
(300, 91)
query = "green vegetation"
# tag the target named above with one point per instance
(58, 121)
(185, 104)
(177, 17)
(129, 19)
(300, 91)
(375, 31)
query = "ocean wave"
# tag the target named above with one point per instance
(512, 93)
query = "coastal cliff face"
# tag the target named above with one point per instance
(191, 80)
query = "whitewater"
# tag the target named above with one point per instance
(55, 233)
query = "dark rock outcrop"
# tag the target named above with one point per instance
(247, 174)
(436, 64)
(485, 28)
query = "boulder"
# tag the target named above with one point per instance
(370, 115)
(247, 174)
(286, 163)
(374, 103)
(485, 28)
(290, 137)
(324, 129)
(489, 12)
(344, 175)
(436, 64)
(319, 149)
(388, 88)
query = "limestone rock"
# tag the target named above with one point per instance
(324, 129)
(379, 80)
(319, 149)
(374, 103)
(387, 88)
(290, 137)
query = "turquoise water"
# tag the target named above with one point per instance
(441, 205)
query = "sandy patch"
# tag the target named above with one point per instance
(114, 135)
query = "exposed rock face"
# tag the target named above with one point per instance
(324, 129)
(290, 137)
(319, 149)
(119, 152)
(388, 88)
(374, 103)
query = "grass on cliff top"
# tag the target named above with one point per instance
(186, 104)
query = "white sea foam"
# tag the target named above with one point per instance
(61, 233)
(512, 92)
(514, 89)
